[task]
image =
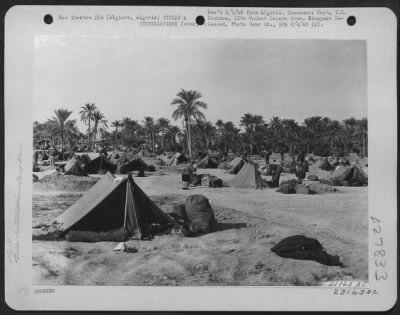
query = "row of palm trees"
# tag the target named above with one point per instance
(254, 134)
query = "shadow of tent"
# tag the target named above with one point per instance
(229, 226)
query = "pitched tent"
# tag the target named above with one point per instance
(248, 177)
(209, 161)
(111, 205)
(325, 165)
(354, 175)
(235, 161)
(178, 158)
(100, 165)
(115, 156)
(90, 155)
(164, 158)
(239, 165)
(129, 166)
(85, 159)
(339, 171)
(75, 166)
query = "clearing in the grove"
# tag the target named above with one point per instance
(249, 223)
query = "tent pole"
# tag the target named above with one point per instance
(126, 202)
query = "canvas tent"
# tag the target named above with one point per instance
(354, 175)
(111, 205)
(325, 165)
(177, 158)
(209, 161)
(90, 155)
(235, 161)
(248, 177)
(129, 166)
(100, 165)
(164, 158)
(75, 166)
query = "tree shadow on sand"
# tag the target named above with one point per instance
(229, 226)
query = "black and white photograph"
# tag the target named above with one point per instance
(221, 162)
(200, 158)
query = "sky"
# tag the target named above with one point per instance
(127, 77)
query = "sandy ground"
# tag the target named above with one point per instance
(250, 223)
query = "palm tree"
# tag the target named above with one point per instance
(362, 132)
(276, 130)
(72, 132)
(150, 127)
(349, 128)
(188, 109)
(59, 121)
(163, 125)
(116, 124)
(86, 116)
(314, 127)
(247, 121)
(100, 124)
(334, 134)
(206, 132)
(291, 133)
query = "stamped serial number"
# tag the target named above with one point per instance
(379, 251)
(43, 291)
(355, 292)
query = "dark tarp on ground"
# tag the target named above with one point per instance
(100, 165)
(110, 205)
(248, 177)
(304, 248)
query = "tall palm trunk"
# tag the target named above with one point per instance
(363, 138)
(89, 136)
(189, 138)
(116, 138)
(152, 140)
(62, 142)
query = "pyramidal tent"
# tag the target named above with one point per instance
(209, 161)
(75, 166)
(100, 165)
(129, 166)
(112, 204)
(235, 161)
(325, 165)
(354, 175)
(177, 158)
(90, 155)
(248, 177)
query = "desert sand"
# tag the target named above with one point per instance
(250, 222)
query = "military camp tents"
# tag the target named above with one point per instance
(325, 165)
(177, 158)
(137, 164)
(235, 161)
(248, 177)
(100, 165)
(354, 176)
(113, 204)
(75, 166)
(90, 155)
(209, 161)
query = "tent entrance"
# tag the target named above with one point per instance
(107, 215)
